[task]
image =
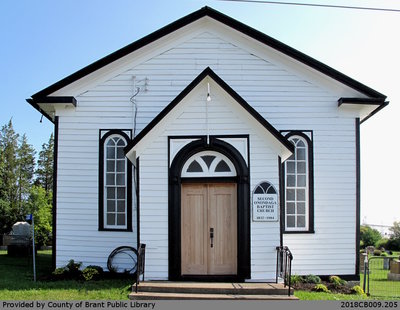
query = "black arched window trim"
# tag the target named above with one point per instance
(103, 135)
(309, 141)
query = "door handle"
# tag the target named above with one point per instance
(212, 237)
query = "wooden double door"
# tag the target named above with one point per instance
(209, 229)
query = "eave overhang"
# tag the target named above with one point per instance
(47, 105)
(363, 108)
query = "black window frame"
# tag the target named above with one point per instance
(103, 135)
(309, 139)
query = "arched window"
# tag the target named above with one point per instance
(116, 196)
(298, 186)
(265, 188)
(208, 164)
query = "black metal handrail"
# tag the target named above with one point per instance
(284, 265)
(140, 264)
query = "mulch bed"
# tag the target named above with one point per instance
(342, 289)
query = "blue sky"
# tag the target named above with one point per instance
(44, 41)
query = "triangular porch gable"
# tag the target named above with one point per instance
(209, 78)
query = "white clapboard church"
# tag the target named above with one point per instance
(213, 144)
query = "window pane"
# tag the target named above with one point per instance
(290, 194)
(222, 167)
(121, 206)
(300, 144)
(111, 142)
(110, 152)
(110, 166)
(121, 142)
(290, 167)
(194, 167)
(291, 180)
(301, 221)
(110, 192)
(301, 208)
(290, 208)
(301, 167)
(110, 219)
(120, 152)
(301, 180)
(290, 221)
(121, 165)
(301, 195)
(110, 179)
(110, 205)
(271, 190)
(301, 154)
(120, 178)
(121, 193)
(208, 159)
(120, 219)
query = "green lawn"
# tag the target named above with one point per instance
(379, 285)
(16, 282)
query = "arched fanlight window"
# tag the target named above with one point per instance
(265, 188)
(208, 164)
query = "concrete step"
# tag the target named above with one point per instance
(214, 288)
(198, 296)
(211, 290)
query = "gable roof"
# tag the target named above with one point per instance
(208, 72)
(224, 19)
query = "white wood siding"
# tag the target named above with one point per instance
(286, 99)
(78, 237)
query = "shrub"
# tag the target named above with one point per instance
(74, 270)
(393, 244)
(295, 279)
(384, 254)
(98, 268)
(337, 281)
(60, 273)
(321, 288)
(90, 273)
(312, 279)
(377, 253)
(357, 290)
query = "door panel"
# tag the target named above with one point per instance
(194, 224)
(206, 206)
(222, 217)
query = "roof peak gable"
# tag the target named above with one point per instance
(226, 20)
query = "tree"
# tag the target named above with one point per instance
(9, 146)
(40, 206)
(44, 171)
(369, 236)
(8, 175)
(395, 229)
(25, 171)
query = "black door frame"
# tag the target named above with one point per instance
(174, 208)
